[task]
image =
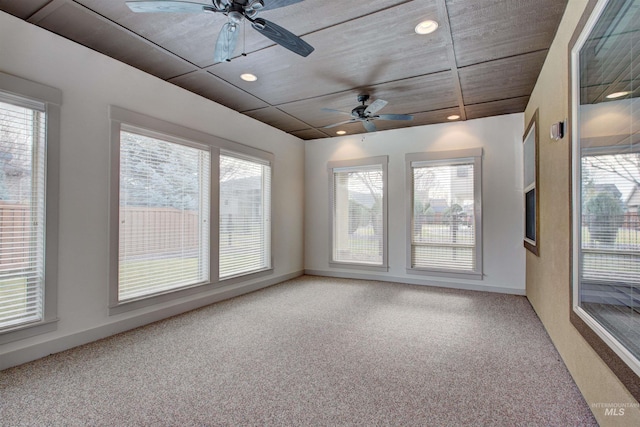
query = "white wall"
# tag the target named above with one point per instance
(503, 229)
(90, 82)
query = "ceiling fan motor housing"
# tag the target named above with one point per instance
(359, 110)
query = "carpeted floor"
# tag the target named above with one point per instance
(312, 351)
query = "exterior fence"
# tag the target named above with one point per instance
(158, 231)
(14, 235)
(151, 231)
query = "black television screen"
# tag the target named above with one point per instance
(530, 215)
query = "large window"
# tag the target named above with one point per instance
(606, 186)
(358, 213)
(164, 214)
(28, 139)
(245, 215)
(444, 207)
(189, 211)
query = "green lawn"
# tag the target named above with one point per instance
(156, 275)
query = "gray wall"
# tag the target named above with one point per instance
(90, 82)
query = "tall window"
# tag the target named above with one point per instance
(445, 222)
(530, 157)
(606, 186)
(27, 271)
(245, 215)
(163, 214)
(358, 208)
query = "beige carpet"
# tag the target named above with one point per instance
(312, 351)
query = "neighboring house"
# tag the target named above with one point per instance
(633, 201)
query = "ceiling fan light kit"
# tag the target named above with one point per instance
(235, 11)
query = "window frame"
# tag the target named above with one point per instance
(51, 99)
(383, 162)
(124, 120)
(613, 353)
(119, 116)
(249, 154)
(449, 157)
(532, 245)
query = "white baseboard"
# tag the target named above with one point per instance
(56, 345)
(415, 281)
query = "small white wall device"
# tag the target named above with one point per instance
(557, 131)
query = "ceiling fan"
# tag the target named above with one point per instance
(236, 11)
(367, 113)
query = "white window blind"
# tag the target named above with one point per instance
(358, 223)
(22, 211)
(443, 234)
(245, 215)
(610, 245)
(163, 215)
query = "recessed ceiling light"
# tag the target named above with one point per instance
(341, 132)
(426, 27)
(453, 117)
(248, 77)
(618, 94)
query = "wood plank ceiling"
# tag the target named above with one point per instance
(482, 61)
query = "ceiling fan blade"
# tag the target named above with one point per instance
(394, 117)
(331, 110)
(339, 123)
(369, 126)
(375, 106)
(275, 4)
(168, 6)
(226, 43)
(284, 38)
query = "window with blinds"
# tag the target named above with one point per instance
(245, 215)
(606, 185)
(358, 213)
(444, 225)
(22, 211)
(163, 214)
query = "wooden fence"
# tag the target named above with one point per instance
(158, 231)
(152, 231)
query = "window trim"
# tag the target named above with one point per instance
(449, 157)
(611, 353)
(120, 116)
(383, 161)
(52, 100)
(533, 246)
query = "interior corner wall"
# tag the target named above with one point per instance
(90, 82)
(548, 276)
(502, 206)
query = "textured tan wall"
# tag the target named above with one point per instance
(548, 276)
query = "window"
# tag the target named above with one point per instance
(162, 185)
(358, 213)
(444, 232)
(164, 213)
(168, 182)
(28, 207)
(606, 186)
(245, 215)
(530, 152)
